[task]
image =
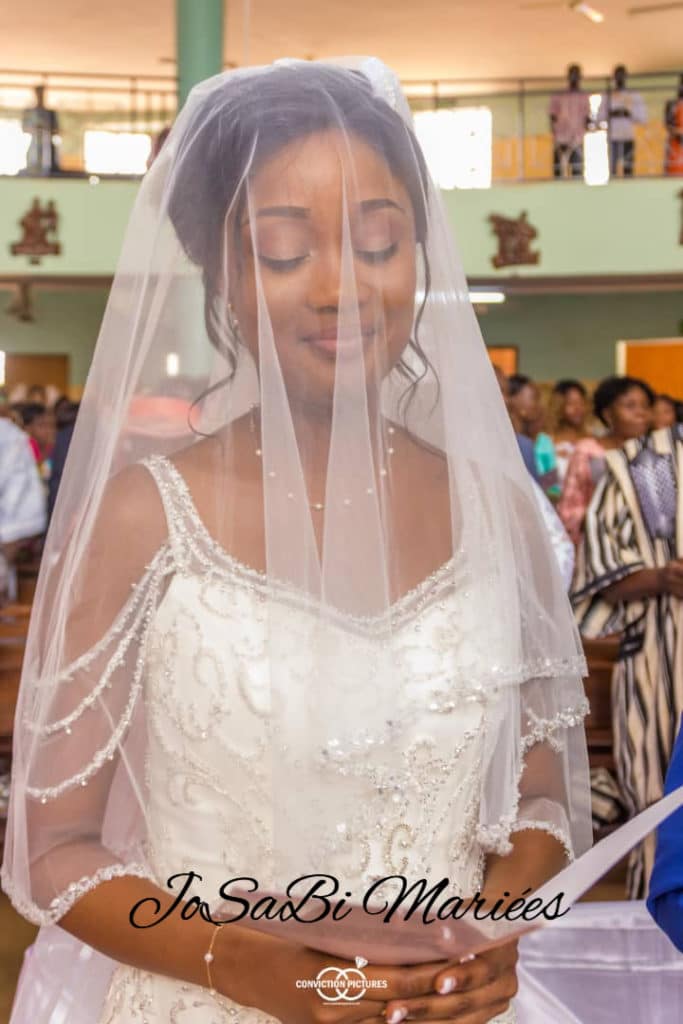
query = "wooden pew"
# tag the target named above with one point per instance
(14, 621)
(601, 656)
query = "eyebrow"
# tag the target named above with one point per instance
(302, 212)
(298, 212)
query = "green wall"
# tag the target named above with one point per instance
(626, 227)
(557, 335)
(575, 335)
(66, 323)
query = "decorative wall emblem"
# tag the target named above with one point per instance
(39, 226)
(514, 241)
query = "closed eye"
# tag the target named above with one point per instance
(282, 266)
(378, 255)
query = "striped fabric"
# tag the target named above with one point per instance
(647, 685)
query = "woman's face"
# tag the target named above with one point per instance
(292, 235)
(663, 414)
(630, 415)
(574, 408)
(527, 403)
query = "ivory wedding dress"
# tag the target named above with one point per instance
(207, 765)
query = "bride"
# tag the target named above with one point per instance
(313, 627)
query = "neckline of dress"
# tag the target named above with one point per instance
(258, 576)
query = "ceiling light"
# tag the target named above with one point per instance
(483, 298)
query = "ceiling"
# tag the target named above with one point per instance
(421, 39)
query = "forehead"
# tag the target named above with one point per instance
(317, 169)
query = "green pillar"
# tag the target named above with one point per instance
(199, 42)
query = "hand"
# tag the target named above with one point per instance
(672, 578)
(259, 970)
(480, 990)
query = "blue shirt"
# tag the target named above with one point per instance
(665, 901)
(526, 447)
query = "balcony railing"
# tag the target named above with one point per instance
(503, 135)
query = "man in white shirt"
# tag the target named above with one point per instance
(23, 502)
(570, 117)
(622, 109)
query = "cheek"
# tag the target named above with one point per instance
(283, 295)
(395, 290)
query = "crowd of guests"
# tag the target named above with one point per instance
(35, 429)
(612, 469)
(621, 109)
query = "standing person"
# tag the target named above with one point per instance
(664, 412)
(326, 633)
(561, 543)
(622, 108)
(527, 415)
(22, 501)
(568, 410)
(624, 406)
(41, 124)
(65, 415)
(630, 581)
(525, 444)
(39, 424)
(570, 118)
(673, 120)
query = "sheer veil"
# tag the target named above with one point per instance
(334, 442)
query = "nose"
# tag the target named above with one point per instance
(333, 281)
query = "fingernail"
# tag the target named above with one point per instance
(467, 959)
(397, 1015)
(446, 986)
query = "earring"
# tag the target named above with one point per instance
(233, 325)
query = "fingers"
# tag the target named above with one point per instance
(406, 982)
(482, 970)
(458, 1005)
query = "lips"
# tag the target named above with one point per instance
(330, 341)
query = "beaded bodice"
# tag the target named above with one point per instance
(207, 702)
(209, 742)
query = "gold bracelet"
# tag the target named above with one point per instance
(208, 960)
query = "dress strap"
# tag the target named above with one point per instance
(181, 515)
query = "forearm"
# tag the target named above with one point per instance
(536, 857)
(644, 583)
(173, 947)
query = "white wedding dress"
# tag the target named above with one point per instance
(207, 766)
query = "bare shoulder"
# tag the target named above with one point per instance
(132, 497)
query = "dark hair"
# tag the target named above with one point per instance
(564, 386)
(612, 388)
(239, 126)
(666, 398)
(30, 411)
(66, 412)
(517, 381)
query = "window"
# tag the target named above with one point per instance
(116, 152)
(458, 145)
(13, 146)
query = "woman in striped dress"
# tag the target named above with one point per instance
(630, 581)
